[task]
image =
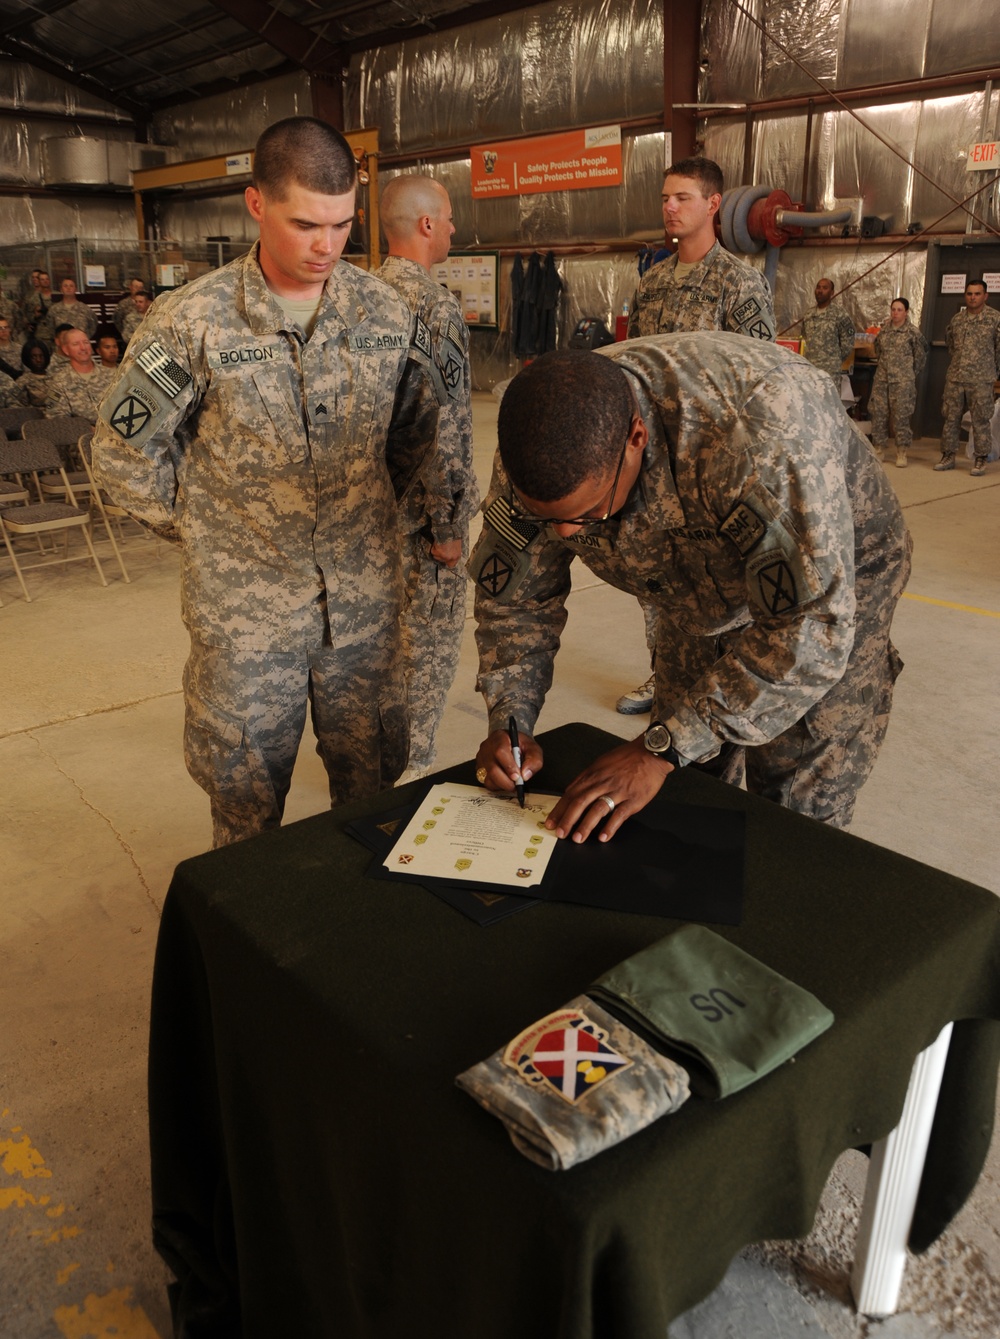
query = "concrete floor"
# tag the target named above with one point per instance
(97, 809)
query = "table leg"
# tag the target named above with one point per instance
(894, 1172)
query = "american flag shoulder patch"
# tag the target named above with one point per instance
(514, 529)
(158, 365)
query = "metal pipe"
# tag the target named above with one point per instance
(791, 218)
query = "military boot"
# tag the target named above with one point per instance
(978, 467)
(947, 461)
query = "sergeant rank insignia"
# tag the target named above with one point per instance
(566, 1054)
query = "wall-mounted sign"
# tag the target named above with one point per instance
(953, 283)
(238, 163)
(992, 282)
(94, 276)
(573, 160)
(984, 157)
(472, 277)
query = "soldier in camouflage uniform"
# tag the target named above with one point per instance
(10, 351)
(127, 305)
(700, 287)
(68, 311)
(416, 217)
(11, 392)
(133, 319)
(974, 345)
(901, 351)
(37, 300)
(11, 313)
(268, 416)
(33, 381)
(78, 386)
(722, 476)
(828, 333)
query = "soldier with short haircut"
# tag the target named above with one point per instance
(67, 309)
(828, 332)
(974, 346)
(721, 476)
(127, 305)
(267, 416)
(141, 303)
(701, 287)
(901, 351)
(434, 516)
(78, 385)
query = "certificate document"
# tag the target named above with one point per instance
(467, 834)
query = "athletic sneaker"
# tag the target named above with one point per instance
(639, 700)
(947, 461)
(978, 467)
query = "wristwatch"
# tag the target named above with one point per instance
(659, 740)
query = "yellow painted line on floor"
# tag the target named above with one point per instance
(948, 604)
(109, 1317)
(19, 1157)
(16, 1197)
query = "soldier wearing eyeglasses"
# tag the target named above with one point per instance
(720, 477)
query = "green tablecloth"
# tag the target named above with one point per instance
(317, 1174)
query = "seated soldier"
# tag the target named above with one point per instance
(78, 387)
(34, 380)
(141, 303)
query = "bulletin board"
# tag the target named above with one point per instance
(473, 278)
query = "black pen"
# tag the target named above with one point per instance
(515, 748)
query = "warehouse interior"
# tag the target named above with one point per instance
(116, 121)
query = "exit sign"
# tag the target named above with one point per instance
(983, 157)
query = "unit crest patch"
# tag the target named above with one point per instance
(565, 1054)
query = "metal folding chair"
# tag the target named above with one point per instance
(100, 500)
(12, 420)
(63, 432)
(40, 518)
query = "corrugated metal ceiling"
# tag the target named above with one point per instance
(142, 56)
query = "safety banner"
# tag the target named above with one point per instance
(573, 160)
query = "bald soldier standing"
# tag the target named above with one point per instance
(267, 416)
(434, 515)
(828, 332)
(722, 476)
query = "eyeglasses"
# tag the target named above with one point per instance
(518, 507)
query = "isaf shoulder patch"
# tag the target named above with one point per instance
(421, 337)
(744, 528)
(746, 311)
